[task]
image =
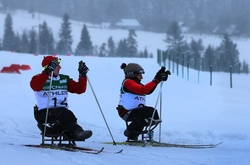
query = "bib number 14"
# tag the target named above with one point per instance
(64, 102)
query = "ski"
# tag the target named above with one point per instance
(89, 149)
(160, 144)
(194, 146)
(67, 148)
(84, 150)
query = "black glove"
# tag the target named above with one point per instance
(164, 76)
(52, 66)
(83, 69)
(159, 74)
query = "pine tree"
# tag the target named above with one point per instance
(145, 53)
(209, 58)
(103, 51)
(45, 40)
(65, 41)
(151, 55)
(51, 44)
(9, 35)
(196, 49)
(24, 43)
(85, 46)
(245, 67)
(111, 47)
(122, 48)
(17, 43)
(228, 54)
(174, 39)
(131, 44)
(33, 47)
(140, 54)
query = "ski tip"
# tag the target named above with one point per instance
(101, 149)
(218, 143)
(119, 151)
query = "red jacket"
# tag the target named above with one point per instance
(137, 88)
(39, 80)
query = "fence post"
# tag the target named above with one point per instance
(164, 57)
(182, 63)
(198, 74)
(159, 56)
(173, 61)
(169, 60)
(177, 65)
(188, 67)
(239, 67)
(231, 77)
(211, 78)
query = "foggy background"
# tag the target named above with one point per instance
(200, 16)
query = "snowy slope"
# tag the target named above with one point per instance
(191, 112)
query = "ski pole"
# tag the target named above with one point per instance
(160, 115)
(47, 111)
(157, 100)
(114, 143)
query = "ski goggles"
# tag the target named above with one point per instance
(139, 72)
(135, 72)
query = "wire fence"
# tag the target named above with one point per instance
(182, 68)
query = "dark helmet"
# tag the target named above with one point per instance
(132, 69)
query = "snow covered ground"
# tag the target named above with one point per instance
(192, 112)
